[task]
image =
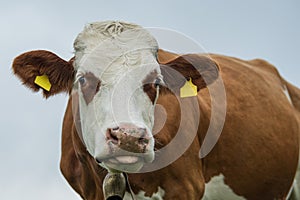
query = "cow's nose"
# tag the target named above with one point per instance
(128, 137)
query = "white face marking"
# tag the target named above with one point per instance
(217, 189)
(141, 195)
(120, 56)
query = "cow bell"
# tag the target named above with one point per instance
(114, 186)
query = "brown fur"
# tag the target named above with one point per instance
(259, 146)
(36, 63)
(90, 87)
(186, 66)
(257, 151)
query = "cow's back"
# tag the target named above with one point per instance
(257, 152)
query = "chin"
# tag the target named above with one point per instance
(129, 164)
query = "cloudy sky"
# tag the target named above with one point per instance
(31, 126)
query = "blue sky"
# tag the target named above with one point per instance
(31, 126)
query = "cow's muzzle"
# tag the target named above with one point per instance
(130, 147)
(128, 138)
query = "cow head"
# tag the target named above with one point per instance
(115, 79)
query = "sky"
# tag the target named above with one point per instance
(31, 126)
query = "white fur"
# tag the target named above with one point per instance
(141, 195)
(294, 193)
(120, 55)
(216, 188)
(286, 92)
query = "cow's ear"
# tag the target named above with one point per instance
(56, 73)
(177, 69)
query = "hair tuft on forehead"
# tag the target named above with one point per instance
(94, 34)
(100, 31)
(110, 47)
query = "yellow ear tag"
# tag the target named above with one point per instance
(188, 90)
(43, 82)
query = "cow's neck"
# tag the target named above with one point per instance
(86, 177)
(210, 165)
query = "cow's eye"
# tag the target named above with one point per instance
(89, 85)
(82, 80)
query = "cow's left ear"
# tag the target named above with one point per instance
(177, 69)
(56, 73)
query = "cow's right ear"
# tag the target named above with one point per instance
(28, 66)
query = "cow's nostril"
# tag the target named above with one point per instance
(115, 138)
(111, 136)
(143, 141)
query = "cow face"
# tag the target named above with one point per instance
(116, 63)
(114, 81)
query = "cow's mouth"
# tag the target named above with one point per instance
(124, 159)
(123, 163)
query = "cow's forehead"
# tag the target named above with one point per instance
(110, 48)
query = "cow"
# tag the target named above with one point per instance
(129, 101)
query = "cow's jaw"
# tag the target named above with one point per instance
(118, 66)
